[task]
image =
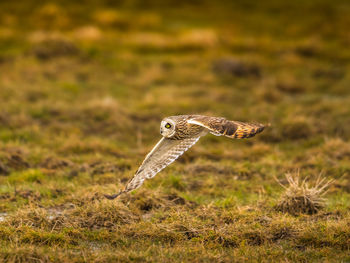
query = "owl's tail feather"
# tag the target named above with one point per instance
(111, 197)
(246, 130)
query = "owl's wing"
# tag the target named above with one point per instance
(232, 129)
(164, 153)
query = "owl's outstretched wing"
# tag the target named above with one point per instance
(232, 129)
(164, 153)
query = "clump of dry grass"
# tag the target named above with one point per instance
(302, 198)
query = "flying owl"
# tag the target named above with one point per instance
(179, 134)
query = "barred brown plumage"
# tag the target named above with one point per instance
(179, 134)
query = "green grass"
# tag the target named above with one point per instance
(83, 88)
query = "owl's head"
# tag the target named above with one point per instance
(167, 127)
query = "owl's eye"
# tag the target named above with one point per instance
(168, 125)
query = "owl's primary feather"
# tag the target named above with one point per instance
(179, 134)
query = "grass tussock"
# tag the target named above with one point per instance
(300, 197)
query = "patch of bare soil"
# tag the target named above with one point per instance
(54, 163)
(102, 168)
(4, 170)
(12, 159)
(236, 68)
(17, 161)
(208, 168)
(53, 48)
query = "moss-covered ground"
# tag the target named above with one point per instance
(84, 85)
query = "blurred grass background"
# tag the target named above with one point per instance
(84, 85)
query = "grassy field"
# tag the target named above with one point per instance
(84, 86)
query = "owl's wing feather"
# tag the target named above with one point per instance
(232, 129)
(164, 153)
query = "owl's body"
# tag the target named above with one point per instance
(179, 134)
(184, 129)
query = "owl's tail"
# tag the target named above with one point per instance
(246, 130)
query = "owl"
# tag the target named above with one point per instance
(179, 133)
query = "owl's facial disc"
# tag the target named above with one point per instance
(167, 128)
